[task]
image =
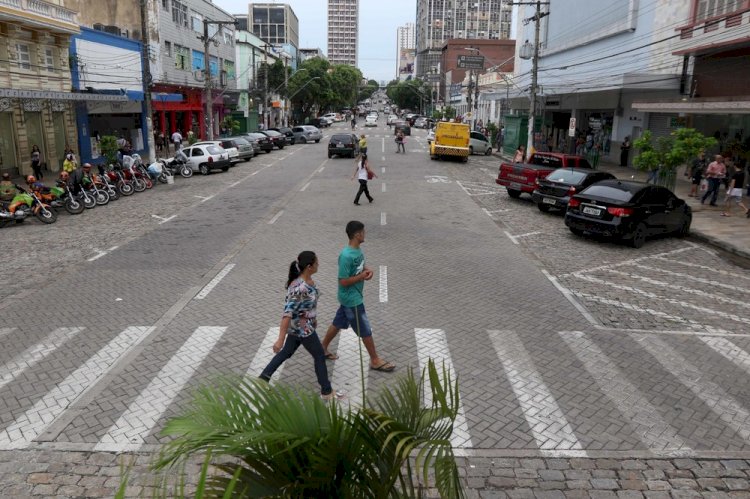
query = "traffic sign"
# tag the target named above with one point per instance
(432, 78)
(470, 62)
(572, 128)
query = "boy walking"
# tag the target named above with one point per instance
(351, 313)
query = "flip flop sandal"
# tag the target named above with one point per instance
(332, 356)
(385, 367)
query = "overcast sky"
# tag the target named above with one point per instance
(378, 20)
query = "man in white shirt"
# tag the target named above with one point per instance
(177, 140)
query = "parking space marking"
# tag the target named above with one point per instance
(490, 212)
(383, 277)
(515, 241)
(304, 187)
(568, 294)
(694, 278)
(347, 370)
(546, 420)
(163, 220)
(321, 169)
(99, 254)
(212, 284)
(706, 267)
(629, 261)
(382, 218)
(134, 425)
(204, 198)
(722, 404)
(653, 431)
(729, 351)
(36, 353)
(275, 217)
(383, 158)
(32, 423)
(433, 344)
(264, 354)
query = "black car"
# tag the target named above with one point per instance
(403, 126)
(277, 139)
(318, 123)
(262, 140)
(343, 144)
(555, 190)
(287, 132)
(627, 210)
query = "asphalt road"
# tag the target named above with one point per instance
(563, 346)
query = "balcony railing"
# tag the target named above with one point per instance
(714, 31)
(43, 9)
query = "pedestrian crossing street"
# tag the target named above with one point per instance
(549, 422)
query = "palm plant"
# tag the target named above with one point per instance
(262, 441)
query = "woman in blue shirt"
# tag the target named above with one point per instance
(299, 321)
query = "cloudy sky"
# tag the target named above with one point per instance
(378, 20)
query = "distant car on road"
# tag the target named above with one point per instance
(403, 126)
(343, 144)
(318, 122)
(286, 131)
(628, 210)
(307, 133)
(479, 144)
(371, 120)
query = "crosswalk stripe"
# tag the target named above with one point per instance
(713, 270)
(34, 354)
(546, 420)
(432, 343)
(133, 426)
(729, 351)
(264, 355)
(723, 405)
(347, 374)
(653, 431)
(35, 420)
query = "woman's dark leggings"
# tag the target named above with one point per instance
(312, 344)
(363, 188)
(37, 167)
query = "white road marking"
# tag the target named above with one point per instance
(382, 218)
(653, 431)
(264, 354)
(382, 169)
(478, 189)
(382, 187)
(383, 145)
(134, 425)
(490, 212)
(705, 267)
(275, 217)
(571, 298)
(112, 248)
(163, 220)
(321, 169)
(726, 408)
(347, 370)
(515, 241)
(527, 234)
(235, 184)
(304, 187)
(203, 198)
(97, 256)
(628, 262)
(256, 172)
(38, 418)
(546, 420)
(729, 351)
(34, 354)
(432, 344)
(694, 278)
(696, 326)
(684, 289)
(383, 283)
(212, 284)
(383, 158)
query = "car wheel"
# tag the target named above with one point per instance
(488, 151)
(684, 229)
(471, 150)
(317, 141)
(513, 193)
(303, 140)
(639, 236)
(225, 169)
(203, 168)
(330, 155)
(577, 232)
(544, 208)
(293, 141)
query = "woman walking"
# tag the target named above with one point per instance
(363, 174)
(520, 154)
(299, 321)
(36, 161)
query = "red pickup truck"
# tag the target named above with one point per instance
(523, 177)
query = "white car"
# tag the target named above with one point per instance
(371, 120)
(306, 133)
(430, 136)
(392, 118)
(330, 121)
(479, 144)
(207, 157)
(233, 152)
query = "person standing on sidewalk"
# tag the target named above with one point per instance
(363, 173)
(624, 151)
(177, 140)
(714, 173)
(696, 173)
(298, 322)
(734, 193)
(351, 313)
(36, 161)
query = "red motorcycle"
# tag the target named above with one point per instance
(122, 184)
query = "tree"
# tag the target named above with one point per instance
(308, 94)
(262, 441)
(410, 94)
(345, 81)
(663, 157)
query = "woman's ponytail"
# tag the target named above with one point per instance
(304, 260)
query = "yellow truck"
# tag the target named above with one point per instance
(451, 141)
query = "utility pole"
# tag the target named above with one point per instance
(266, 113)
(286, 85)
(209, 99)
(147, 80)
(468, 96)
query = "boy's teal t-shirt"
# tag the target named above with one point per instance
(351, 263)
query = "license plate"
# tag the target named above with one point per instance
(549, 201)
(339, 144)
(515, 185)
(592, 211)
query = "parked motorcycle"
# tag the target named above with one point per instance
(123, 185)
(31, 205)
(178, 164)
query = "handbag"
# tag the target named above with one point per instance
(370, 174)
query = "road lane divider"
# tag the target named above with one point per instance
(212, 284)
(383, 278)
(304, 187)
(382, 218)
(382, 187)
(162, 219)
(275, 217)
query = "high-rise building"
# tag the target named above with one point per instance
(343, 28)
(441, 20)
(275, 23)
(405, 45)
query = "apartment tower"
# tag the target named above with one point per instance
(343, 28)
(405, 45)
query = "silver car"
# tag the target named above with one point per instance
(306, 133)
(479, 144)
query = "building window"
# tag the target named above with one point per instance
(181, 57)
(168, 48)
(197, 21)
(713, 8)
(179, 13)
(49, 58)
(23, 56)
(165, 5)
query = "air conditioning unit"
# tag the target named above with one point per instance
(113, 30)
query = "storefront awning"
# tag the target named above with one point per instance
(53, 95)
(165, 97)
(739, 105)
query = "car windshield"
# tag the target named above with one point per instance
(214, 149)
(546, 160)
(272, 133)
(341, 138)
(566, 176)
(620, 193)
(241, 141)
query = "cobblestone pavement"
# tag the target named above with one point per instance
(582, 371)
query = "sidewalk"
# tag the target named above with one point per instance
(729, 234)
